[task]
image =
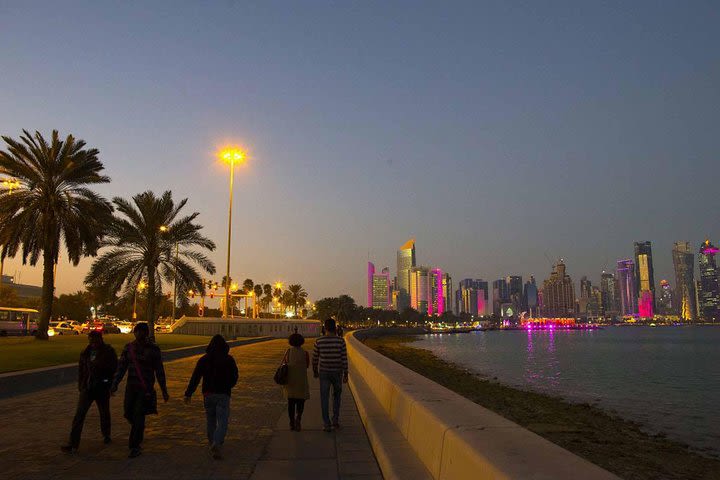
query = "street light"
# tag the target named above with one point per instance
(231, 156)
(140, 287)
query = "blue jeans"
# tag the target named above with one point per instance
(328, 379)
(217, 413)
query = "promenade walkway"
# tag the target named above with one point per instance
(259, 444)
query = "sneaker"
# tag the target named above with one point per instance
(327, 428)
(298, 425)
(107, 440)
(68, 449)
(134, 452)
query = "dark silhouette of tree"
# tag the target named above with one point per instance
(47, 203)
(138, 249)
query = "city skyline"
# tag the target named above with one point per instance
(500, 136)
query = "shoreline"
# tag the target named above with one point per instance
(621, 446)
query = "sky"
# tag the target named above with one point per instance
(500, 135)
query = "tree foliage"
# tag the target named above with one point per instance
(48, 203)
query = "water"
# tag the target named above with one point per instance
(668, 378)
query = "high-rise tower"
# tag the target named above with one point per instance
(626, 281)
(420, 294)
(405, 263)
(683, 261)
(607, 292)
(379, 288)
(558, 293)
(709, 294)
(644, 276)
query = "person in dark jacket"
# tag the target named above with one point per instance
(95, 373)
(219, 374)
(142, 361)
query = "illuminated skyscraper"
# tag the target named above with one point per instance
(709, 294)
(437, 299)
(379, 293)
(420, 293)
(665, 302)
(447, 289)
(644, 278)
(683, 261)
(530, 297)
(472, 297)
(515, 292)
(405, 262)
(625, 275)
(558, 293)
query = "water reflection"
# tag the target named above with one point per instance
(542, 366)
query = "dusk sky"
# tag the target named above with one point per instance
(497, 134)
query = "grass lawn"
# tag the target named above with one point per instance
(615, 444)
(21, 353)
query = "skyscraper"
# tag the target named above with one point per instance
(683, 261)
(379, 293)
(585, 295)
(437, 297)
(625, 275)
(608, 289)
(447, 289)
(501, 294)
(558, 293)
(665, 303)
(420, 290)
(709, 295)
(472, 297)
(515, 292)
(644, 277)
(530, 297)
(405, 262)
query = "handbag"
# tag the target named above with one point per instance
(150, 398)
(281, 374)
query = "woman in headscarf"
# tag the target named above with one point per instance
(297, 389)
(219, 374)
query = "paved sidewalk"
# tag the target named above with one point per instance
(35, 425)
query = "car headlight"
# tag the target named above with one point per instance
(51, 332)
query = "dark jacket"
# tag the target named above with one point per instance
(217, 368)
(149, 364)
(95, 375)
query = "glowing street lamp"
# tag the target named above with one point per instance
(231, 156)
(140, 287)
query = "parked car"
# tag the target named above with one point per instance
(61, 328)
(125, 326)
(109, 327)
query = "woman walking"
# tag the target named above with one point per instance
(297, 389)
(219, 375)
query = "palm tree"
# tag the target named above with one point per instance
(47, 201)
(248, 285)
(286, 299)
(298, 296)
(267, 299)
(139, 249)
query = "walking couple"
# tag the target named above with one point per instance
(330, 365)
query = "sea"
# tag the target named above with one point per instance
(665, 378)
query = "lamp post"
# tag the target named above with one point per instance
(140, 287)
(230, 155)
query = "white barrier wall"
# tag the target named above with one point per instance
(243, 327)
(455, 438)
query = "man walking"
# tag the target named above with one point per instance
(143, 362)
(95, 373)
(331, 365)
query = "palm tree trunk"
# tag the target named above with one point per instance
(46, 298)
(150, 309)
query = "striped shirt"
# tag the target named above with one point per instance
(330, 355)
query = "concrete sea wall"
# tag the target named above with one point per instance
(420, 429)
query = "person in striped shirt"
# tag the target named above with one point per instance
(331, 365)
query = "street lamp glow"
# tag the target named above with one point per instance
(163, 228)
(278, 285)
(232, 155)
